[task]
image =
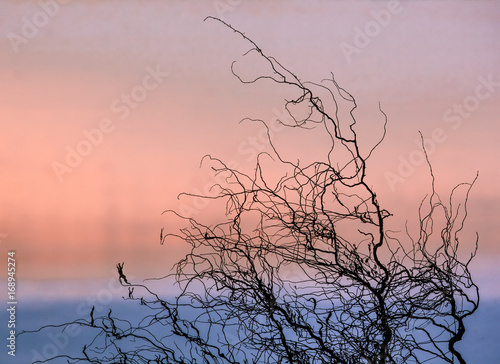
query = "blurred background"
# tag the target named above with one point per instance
(107, 108)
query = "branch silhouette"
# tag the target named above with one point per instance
(303, 269)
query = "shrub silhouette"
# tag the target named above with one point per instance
(303, 269)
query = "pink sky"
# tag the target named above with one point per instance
(421, 62)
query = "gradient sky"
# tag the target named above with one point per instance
(69, 74)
